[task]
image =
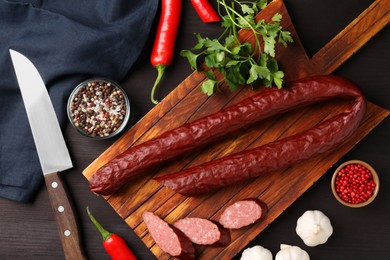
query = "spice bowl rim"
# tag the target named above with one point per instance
(126, 99)
(374, 176)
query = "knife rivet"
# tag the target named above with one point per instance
(67, 233)
(54, 184)
(61, 209)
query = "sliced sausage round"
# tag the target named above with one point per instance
(170, 239)
(243, 213)
(203, 231)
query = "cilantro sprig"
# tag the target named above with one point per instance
(240, 63)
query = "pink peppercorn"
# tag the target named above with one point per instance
(354, 183)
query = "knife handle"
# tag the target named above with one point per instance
(65, 217)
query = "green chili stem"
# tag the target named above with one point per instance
(105, 234)
(160, 69)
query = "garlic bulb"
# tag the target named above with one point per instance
(314, 228)
(256, 253)
(291, 253)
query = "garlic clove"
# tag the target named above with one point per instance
(256, 253)
(288, 252)
(314, 228)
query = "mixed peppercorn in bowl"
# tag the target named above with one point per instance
(98, 108)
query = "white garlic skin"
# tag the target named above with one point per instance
(314, 228)
(291, 253)
(256, 253)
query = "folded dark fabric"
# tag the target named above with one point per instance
(68, 42)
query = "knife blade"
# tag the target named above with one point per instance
(52, 151)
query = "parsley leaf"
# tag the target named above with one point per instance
(240, 63)
(208, 86)
(258, 72)
(191, 57)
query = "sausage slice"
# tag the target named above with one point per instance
(243, 213)
(170, 239)
(203, 231)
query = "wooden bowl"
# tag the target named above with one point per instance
(375, 178)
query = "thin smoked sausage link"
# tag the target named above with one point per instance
(276, 155)
(201, 132)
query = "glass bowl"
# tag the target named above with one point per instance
(98, 108)
(355, 184)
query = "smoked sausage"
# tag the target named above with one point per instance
(281, 153)
(203, 231)
(170, 239)
(243, 213)
(204, 131)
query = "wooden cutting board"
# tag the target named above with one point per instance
(278, 189)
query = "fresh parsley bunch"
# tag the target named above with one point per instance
(239, 62)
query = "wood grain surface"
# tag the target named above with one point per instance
(278, 189)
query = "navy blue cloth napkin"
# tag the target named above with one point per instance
(68, 41)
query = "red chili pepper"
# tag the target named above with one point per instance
(164, 43)
(114, 245)
(205, 11)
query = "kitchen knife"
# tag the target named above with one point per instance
(52, 151)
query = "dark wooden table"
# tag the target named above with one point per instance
(28, 231)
